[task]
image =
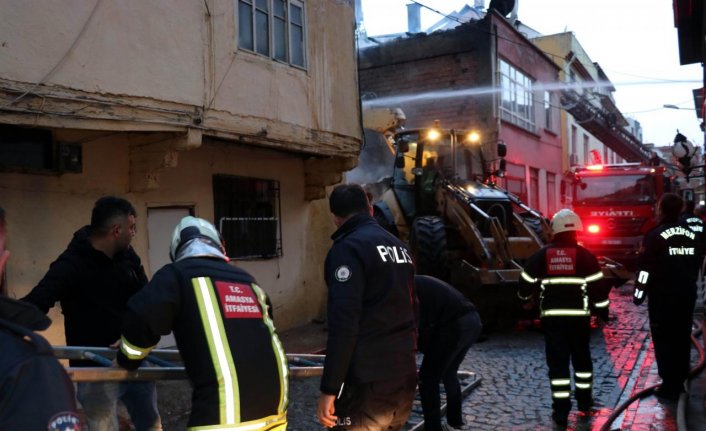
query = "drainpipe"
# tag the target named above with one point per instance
(414, 18)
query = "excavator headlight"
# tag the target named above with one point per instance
(473, 137)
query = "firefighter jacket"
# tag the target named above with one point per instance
(226, 338)
(93, 290)
(565, 278)
(696, 224)
(35, 391)
(371, 321)
(667, 267)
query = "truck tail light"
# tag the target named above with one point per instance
(594, 228)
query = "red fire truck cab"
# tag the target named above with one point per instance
(617, 205)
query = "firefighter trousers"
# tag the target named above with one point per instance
(567, 342)
(670, 325)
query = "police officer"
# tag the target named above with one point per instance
(567, 281)
(219, 315)
(35, 391)
(370, 372)
(667, 272)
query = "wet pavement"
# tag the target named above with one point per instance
(514, 389)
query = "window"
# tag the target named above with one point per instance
(515, 180)
(574, 142)
(551, 193)
(586, 153)
(517, 104)
(534, 188)
(34, 150)
(247, 213)
(273, 28)
(548, 110)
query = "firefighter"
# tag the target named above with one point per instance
(566, 280)
(219, 315)
(667, 271)
(371, 322)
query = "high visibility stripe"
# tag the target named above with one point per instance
(565, 312)
(583, 375)
(594, 277)
(228, 393)
(564, 280)
(133, 352)
(270, 423)
(283, 368)
(559, 382)
(642, 277)
(528, 278)
(583, 385)
(639, 293)
(602, 304)
(561, 394)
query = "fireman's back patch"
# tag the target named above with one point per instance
(561, 261)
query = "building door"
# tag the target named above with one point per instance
(161, 222)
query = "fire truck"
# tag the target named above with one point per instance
(617, 205)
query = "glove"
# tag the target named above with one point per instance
(638, 296)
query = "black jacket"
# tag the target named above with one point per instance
(565, 278)
(222, 328)
(696, 224)
(440, 306)
(93, 290)
(35, 391)
(667, 268)
(371, 332)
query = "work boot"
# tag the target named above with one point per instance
(666, 393)
(561, 419)
(585, 406)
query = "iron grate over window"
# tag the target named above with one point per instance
(247, 213)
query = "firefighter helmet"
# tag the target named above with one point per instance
(566, 220)
(189, 228)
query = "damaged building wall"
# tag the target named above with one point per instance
(43, 212)
(159, 97)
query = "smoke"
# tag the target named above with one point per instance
(375, 163)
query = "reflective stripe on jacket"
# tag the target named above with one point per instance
(566, 279)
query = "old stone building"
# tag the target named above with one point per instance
(238, 112)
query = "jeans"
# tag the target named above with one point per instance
(100, 399)
(442, 358)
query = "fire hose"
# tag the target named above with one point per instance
(683, 398)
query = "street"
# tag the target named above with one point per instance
(514, 391)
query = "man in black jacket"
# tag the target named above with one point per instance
(667, 270)
(369, 372)
(35, 391)
(567, 281)
(448, 325)
(222, 326)
(93, 280)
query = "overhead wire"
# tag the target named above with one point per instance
(62, 59)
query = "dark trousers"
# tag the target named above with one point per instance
(446, 350)
(567, 341)
(375, 406)
(670, 325)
